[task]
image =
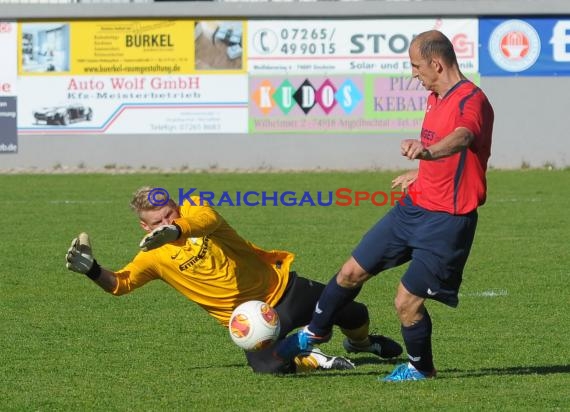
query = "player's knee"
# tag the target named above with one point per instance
(409, 311)
(400, 305)
(403, 308)
(351, 275)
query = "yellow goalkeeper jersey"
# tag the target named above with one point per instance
(211, 265)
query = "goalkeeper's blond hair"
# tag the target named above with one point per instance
(140, 201)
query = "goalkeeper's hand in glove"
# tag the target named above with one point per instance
(159, 237)
(80, 258)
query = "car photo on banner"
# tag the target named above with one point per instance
(63, 115)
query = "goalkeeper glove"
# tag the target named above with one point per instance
(159, 237)
(80, 257)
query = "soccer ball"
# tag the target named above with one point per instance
(254, 325)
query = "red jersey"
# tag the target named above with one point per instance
(456, 184)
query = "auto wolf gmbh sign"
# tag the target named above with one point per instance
(525, 47)
(350, 46)
(122, 77)
(133, 104)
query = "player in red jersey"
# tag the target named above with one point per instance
(435, 232)
(452, 179)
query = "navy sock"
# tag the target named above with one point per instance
(418, 344)
(333, 299)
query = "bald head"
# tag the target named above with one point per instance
(433, 44)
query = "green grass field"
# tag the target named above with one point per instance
(67, 345)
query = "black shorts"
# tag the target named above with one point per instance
(295, 310)
(437, 244)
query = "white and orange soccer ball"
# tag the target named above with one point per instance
(254, 325)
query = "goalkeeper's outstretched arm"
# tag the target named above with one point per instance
(79, 258)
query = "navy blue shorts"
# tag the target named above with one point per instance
(436, 243)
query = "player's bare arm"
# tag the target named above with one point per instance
(454, 142)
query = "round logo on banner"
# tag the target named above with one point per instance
(514, 45)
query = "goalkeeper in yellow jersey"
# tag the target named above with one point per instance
(193, 249)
